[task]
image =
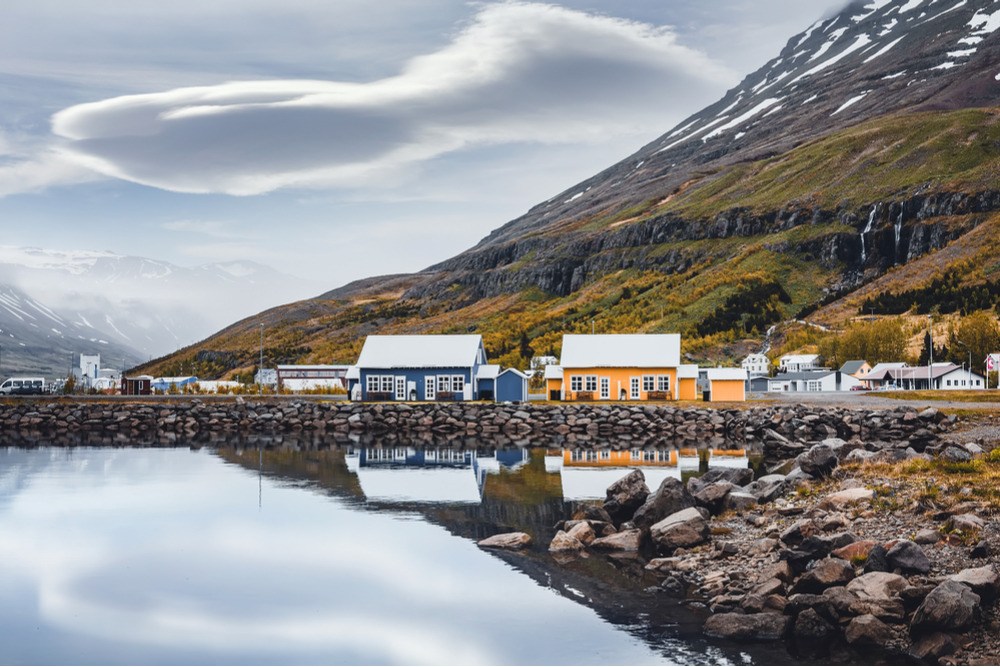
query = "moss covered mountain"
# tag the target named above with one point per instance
(859, 164)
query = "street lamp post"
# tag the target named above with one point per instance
(930, 352)
(966, 346)
(260, 368)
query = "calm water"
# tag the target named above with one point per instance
(333, 556)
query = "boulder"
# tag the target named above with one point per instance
(764, 545)
(827, 573)
(773, 586)
(735, 476)
(854, 550)
(713, 496)
(563, 541)
(955, 454)
(582, 532)
(798, 532)
(927, 536)
(877, 559)
(840, 599)
(812, 548)
(818, 462)
(933, 647)
(625, 496)
(626, 540)
(779, 570)
(908, 557)
(966, 523)
(585, 512)
(767, 488)
(950, 606)
(890, 610)
(507, 541)
(841, 500)
(747, 626)
(877, 585)
(867, 630)
(686, 528)
(984, 581)
(739, 501)
(670, 498)
(810, 625)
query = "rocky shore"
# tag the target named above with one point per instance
(855, 556)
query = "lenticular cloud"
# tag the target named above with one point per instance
(519, 72)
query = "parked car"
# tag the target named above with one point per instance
(23, 386)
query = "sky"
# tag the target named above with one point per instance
(340, 139)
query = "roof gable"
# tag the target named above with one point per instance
(420, 351)
(621, 351)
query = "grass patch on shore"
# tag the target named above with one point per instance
(980, 396)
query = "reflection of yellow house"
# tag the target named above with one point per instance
(617, 459)
(621, 367)
(727, 384)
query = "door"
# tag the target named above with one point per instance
(635, 383)
(605, 388)
(430, 383)
(400, 388)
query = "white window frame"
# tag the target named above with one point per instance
(634, 384)
(443, 383)
(648, 383)
(400, 387)
(458, 383)
(372, 384)
(605, 389)
(590, 383)
(663, 383)
(576, 383)
(386, 385)
(430, 383)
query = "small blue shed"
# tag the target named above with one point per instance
(511, 385)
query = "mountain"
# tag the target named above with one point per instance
(863, 159)
(150, 306)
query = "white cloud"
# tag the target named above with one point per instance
(519, 72)
(27, 165)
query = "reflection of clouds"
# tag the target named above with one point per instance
(168, 550)
(520, 72)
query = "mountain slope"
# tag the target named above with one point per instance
(871, 142)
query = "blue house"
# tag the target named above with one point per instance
(512, 385)
(418, 368)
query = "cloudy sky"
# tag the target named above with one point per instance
(338, 139)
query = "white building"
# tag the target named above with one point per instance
(813, 381)
(301, 377)
(798, 363)
(757, 365)
(267, 377)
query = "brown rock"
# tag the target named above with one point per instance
(507, 541)
(686, 528)
(769, 587)
(780, 570)
(563, 541)
(627, 540)
(798, 531)
(867, 630)
(877, 585)
(827, 573)
(984, 581)
(747, 626)
(934, 646)
(583, 532)
(841, 500)
(854, 549)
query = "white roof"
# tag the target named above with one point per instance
(317, 367)
(727, 374)
(799, 358)
(553, 373)
(419, 351)
(757, 356)
(885, 366)
(687, 372)
(515, 372)
(488, 372)
(621, 351)
(353, 373)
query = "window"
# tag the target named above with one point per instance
(576, 383)
(948, 383)
(444, 383)
(813, 385)
(386, 384)
(457, 383)
(429, 381)
(605, 454)
(648, 383)
(663, 383)
(591, 383)
(372, 383)
(979, 383)
(605, 389)
(634, 388)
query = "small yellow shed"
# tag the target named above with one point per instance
(727, 384)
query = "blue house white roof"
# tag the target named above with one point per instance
(421, 351)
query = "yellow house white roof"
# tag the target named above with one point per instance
(621, 351)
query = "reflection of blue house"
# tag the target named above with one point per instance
(418, 368)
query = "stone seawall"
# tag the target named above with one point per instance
(779, 431)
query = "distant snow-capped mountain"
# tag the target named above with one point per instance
(150, 306)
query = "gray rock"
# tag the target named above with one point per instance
(878, 560)
(841, 540)
(507, 541)
(950, 606)
(713, 496)
(827, 573)
(625, 496)
(767, 488)
(877, 585)
(859, 456)
(841, 500)
(927, 536)
(966, 523)
(867, 630)
(765, 545)
(735, 476)
(818, 462)
(670, 498)
(798, 532)
(686, 528)
(934, 647)
(840, 600)
(627, 540)
(739, 501)
(984, 581)
(747, 626)
(908, 557)
(955, 454)
(810, 625)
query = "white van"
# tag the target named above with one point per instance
(23, 386)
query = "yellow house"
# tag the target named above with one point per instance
(687, 382)
(727, 384)
(621, 367)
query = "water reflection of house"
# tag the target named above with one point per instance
(407, 474)
(587, 474)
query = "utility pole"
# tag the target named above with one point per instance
(930, 351)
(260, 387)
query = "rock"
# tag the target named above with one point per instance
(507, 541)
(800, 602)
(582, 532)
(859, 456)
(933, 647)
(812, 548)
(908, 557)
(955, 454)
(670, 498)
(713, 496)
(927, 536)
(890, 610)
(854, 550)
(563, 541)
(627, 540)
(762, 546)
(735, 476)
(810, 625)
(877, 585)
(767, 488)
(739, 501)
(984, 581)
(840, 600)
(686, 528)
(841, 540)
(747, 626)
(798, 532)
(981, 550)
(912, 596)
(931, 415)
(818, 462)
(779, 570)
(773, 586)
(841, 500)
(966, 523)
(950, 606)
(877, 559)
(826, 573)
(625, 496)
(867, 630)
(662, 564)
(585, 512)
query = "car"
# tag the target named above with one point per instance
(22, 386)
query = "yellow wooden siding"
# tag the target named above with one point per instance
(688, 389)
(728, 390)
(619, 380)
